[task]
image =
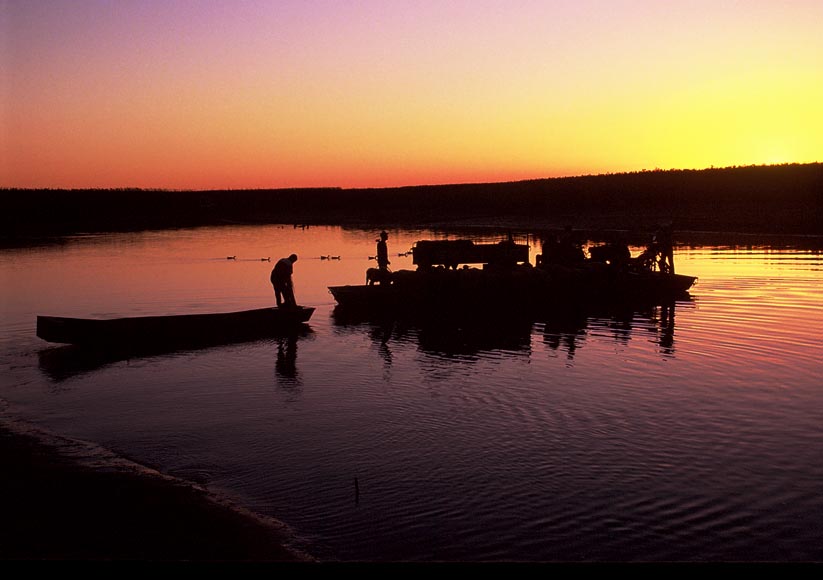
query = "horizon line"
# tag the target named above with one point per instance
(419, 185)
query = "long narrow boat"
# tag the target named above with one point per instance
(183, 328)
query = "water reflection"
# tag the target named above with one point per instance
(665, 328)
(65, 362)
(381, 335)
(566, 334)
(285, 367)
(467, 341)
(562, 331)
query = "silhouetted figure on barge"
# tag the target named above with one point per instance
(659, 255)
(383, 252)
(563, 250)
(614, 253)
(665, 249)
(381, 274)
(281, 280)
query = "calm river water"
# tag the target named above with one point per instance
(686, 433)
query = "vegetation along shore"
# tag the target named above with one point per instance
(772, 199)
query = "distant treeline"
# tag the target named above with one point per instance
(784, 199)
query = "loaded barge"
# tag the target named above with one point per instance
(447, 279)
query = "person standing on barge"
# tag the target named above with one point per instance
(383, 252)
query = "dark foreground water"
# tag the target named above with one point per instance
(692, 432)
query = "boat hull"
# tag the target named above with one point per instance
(225, 326)
(525, 289)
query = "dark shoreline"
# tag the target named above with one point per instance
(777, 199)
(56, 506)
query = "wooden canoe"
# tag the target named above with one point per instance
(214, 327)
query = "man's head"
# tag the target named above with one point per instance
(293, 258)
(384, 235)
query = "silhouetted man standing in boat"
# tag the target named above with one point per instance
(281, 279)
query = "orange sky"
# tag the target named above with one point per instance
(194, 94)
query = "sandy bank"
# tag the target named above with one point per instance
(56, 506)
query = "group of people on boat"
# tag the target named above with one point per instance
(563, 250)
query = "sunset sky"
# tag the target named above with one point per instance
(195, 94)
